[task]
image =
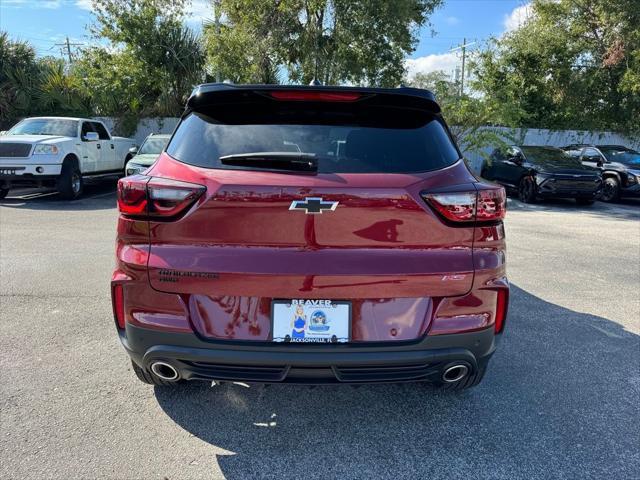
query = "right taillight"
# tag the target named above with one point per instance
(117, 297)
(156, 198)
(486, 205)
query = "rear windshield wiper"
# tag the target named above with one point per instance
(292, 161)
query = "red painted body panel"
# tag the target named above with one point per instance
(215, 270)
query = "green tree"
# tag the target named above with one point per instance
(119, 85)
(573, 64)
(18, 71)
(151, 64)
(470, 118)
(334, 41)
(35, 86)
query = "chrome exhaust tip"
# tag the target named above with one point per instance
(455, 372)
(164, 371)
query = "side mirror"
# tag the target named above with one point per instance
(133, 150)
(91, 137)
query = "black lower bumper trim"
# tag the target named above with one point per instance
(27, 180)
(198, 359)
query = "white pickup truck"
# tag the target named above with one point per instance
(60, 152)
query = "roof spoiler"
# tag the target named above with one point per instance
(220, 94)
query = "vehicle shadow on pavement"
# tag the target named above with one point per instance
(96, 196)
(560, 399)
(625, 209)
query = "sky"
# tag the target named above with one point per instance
(47, 23)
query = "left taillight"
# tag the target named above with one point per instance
(117, 297)
(502, 305)
(488, 205)
(156, 198)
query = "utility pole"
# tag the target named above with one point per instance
(68, 46)
(216, 14)
(462, 47)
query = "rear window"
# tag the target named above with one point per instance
(343, 141)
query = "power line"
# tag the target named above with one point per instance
(68, 45)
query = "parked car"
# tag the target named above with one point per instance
(59, 152)
(542, 172)
(310, 235)
(620, 167)
(144, 157)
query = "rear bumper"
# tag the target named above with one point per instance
(198, 359)
(27, 180)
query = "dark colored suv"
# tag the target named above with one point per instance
(620, 167)
(310, 235)
(542, 172)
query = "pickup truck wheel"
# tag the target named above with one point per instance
(70, 183)
(3, 192)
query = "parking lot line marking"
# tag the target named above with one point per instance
(31, 196)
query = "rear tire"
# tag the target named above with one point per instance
(467, 382)
(146, 376)
(584, 201)
(70, 182)
(610, 190)
(527, 190)
(3, 192)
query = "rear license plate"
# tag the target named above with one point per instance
(7, 171)
(311, 321)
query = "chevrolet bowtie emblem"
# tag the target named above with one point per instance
(313, 205)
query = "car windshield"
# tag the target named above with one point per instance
(621, 155)
(153, 146)
(46, 126)
(550, 157)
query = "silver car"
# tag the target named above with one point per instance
(152, 146)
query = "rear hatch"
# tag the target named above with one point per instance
(312, 198)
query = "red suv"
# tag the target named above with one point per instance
(310, 235)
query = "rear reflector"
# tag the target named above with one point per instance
(501, 309)
(314, 96)
(117, 295)
(465, 207)
(154, 197)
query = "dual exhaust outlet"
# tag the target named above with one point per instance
(165, 371)
(168, 372)
(455, 372)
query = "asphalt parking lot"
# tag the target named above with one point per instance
(560, 399)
